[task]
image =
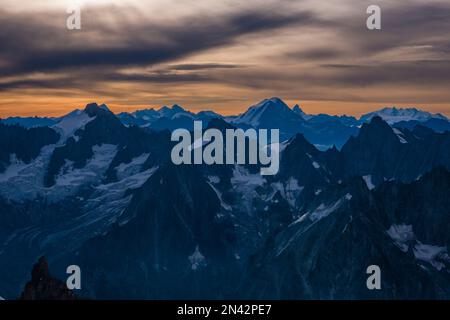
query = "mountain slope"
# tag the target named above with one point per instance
(325, 252)
(174, 244)
(20, 144)
(383, 153)
(437, 125)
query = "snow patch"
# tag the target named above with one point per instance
(369, 183)
(131, 182)
(289, 191)
(323, 147)
(71, 123)
(21, 181)
(14, 168)
(197, 259)
(214, 179)
(71, 179)
(300, 219)
(400, 136)
(431, 254)
(219, 195)
(128, 169)
(401, 234)
(315, 216)
(245, 180)
(246, 184)
(323, 210)
(103, 155)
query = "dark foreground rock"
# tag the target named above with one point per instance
(44, 287)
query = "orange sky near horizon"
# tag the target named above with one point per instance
(44, 107)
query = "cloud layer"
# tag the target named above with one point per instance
(225, 54)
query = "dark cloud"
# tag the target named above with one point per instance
(204, 66)
(76, 81)
(411, 24)
(424, 73)
(20, 84)
(36, 46)
(160, 77)
(315, 54)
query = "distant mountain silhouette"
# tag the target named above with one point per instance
(324, 131)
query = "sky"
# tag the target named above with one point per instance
(224, 55)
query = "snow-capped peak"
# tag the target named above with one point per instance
(254, 114)
(273, 102)
(393, 115)
(71, 122)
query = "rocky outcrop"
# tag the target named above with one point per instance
(43, 286)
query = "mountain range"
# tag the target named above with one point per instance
(322, 130)
(99, 190)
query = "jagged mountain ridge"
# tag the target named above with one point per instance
(322, 130)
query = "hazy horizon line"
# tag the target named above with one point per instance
(194, 110)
